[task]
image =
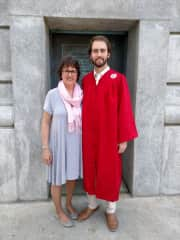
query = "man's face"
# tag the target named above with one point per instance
(99, 54)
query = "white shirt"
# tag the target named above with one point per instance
(98, 76)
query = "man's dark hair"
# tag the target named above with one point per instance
(69, 61)
(99, 38)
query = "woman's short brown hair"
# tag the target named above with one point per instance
(99, 38)
(69, 61)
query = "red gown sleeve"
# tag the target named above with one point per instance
(126, 123)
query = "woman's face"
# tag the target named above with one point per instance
(69, 76)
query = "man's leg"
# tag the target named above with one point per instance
(111, 218)
(92, 207)
(111, 207)
(92, 201)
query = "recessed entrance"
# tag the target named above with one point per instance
(76, 44)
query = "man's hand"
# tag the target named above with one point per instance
(122, 147)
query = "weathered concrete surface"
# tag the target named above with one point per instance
(5, 77)
(29, 69)
(174, 59)
(6, 97)
(131, 69)
(170, 177)
(150, 102)
(29, 50)
(6, 116)
(4, 13)
(139, 218)
(8, 189)
(175, 20)
(142, 9)
(172, 115)
(172, 110)
(173, 95)
(5, 64)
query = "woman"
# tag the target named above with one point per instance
(61, 137)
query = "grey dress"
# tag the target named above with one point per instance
(66, 147)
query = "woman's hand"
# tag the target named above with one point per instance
(46, 156)
(122, 147)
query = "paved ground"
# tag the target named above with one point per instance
(156, 218)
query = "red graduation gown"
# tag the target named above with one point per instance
(107, 120)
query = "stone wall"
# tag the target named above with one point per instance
(8, 177)
(170, 177)
(152, 163)
(30, 76)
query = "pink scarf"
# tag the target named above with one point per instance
(73, 106)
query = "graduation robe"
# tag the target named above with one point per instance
(107, 120)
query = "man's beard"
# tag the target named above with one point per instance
(101, 64)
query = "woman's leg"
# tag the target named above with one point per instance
(56, 197)
(70, 186)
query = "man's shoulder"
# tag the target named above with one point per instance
(115, 74)
(88, 75)
(87, 78)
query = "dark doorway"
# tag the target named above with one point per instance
(77, 46)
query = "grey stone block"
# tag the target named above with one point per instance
(175, 25)
(131, 69)
(172, 115)
(5, 50)
(6, 116)
(170, 177)
(70, 8)
(150, 102)
(176, 8)
(4, 20)
(5, 77)
(4, 13)
(113, 9)
(6, 97)
(172, 110)
(175, 19)
(154, 9)
(21, 7)
(174, 59)
(3, 6)
(173, 95)
(29, 69)
(8, 188)
(124, 9)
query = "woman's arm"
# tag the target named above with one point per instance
(45, 129)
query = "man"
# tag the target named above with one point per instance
(107, 125)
